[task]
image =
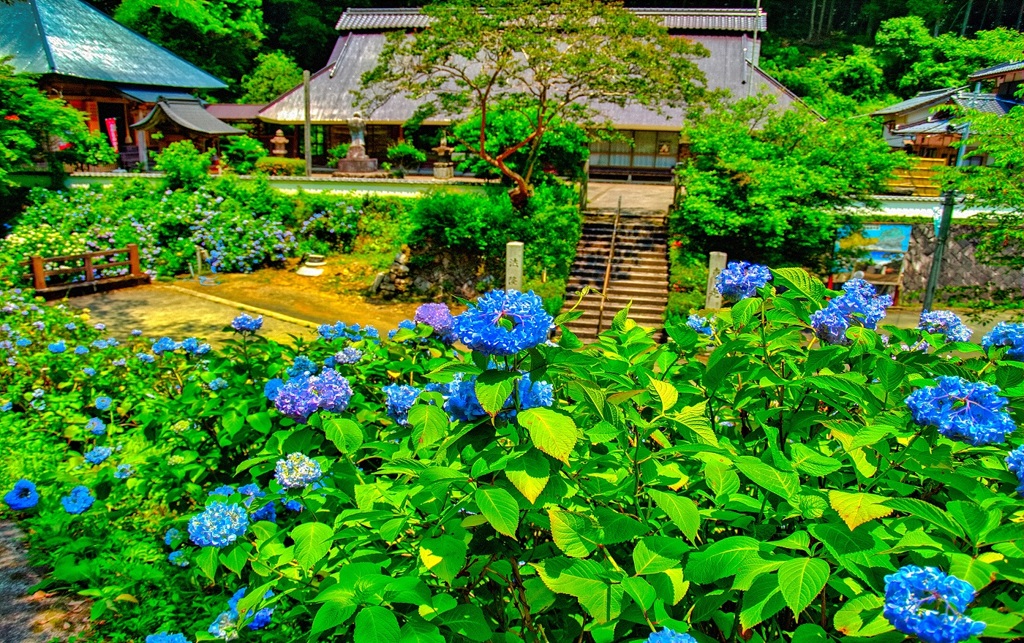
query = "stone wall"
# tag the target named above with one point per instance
(435, 274)
(959, 266)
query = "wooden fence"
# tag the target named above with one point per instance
(95, 267)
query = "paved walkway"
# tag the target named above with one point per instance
(635, 196)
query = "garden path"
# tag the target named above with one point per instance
(32, 618)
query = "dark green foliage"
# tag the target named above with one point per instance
(766, 186)
(185, 166)
(275, 73)
(337, 153)
(404, 156)
(279, 166)
(242, 152)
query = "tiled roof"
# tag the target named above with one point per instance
(71, 38)
(997, 70)
(941, 126)
(674, 19)
(234, 112)
(924, 99)
(188, 114)
(987, 103)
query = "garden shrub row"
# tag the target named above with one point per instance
(784, 471)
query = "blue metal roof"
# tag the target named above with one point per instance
(71, 38)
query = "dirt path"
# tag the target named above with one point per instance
(35, 618)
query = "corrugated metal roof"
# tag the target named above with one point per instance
(233, 112)
(71, 38)
(188, 114)
(152, 94)
(923, 99)
(996, 70)
(674, 19)
(332, 88)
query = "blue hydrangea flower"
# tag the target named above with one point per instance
(261, 618)
(272, 388)
(223, 490)
(164, 637)
(81, 350)
(302, 366)
(945, 322)
(70, 326)
(400, 398)
(857, 306)
(6, 406)
(171, 535)
(930, 604)
(136, 332)
(293, 505)
(1006, 334)
(703, 326)
(25, 342)
(963, 410)
(741, 279)
(78, 500)
(1015, 465)
(89, 371)
(103, 403)
(252, 490)
(348, 355)
(461, 402)
(245, 324)
(23, 496)
(218, 384)
(124, 471)
(296, 471)
(177, 558)
(503, 323)
(192, 346)
(145, 358)
(225, 626)
(668, 636)
(219, 525)
(98, 454)
(100, 326)
(57, 346)
(439, 317)
(164, 345)
(96, 426)
(266, 512)
(534, 394)
(302, 396)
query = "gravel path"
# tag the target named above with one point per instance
(32, 618)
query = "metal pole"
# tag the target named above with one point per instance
(944, 224)
(307, 135)
(608, 267)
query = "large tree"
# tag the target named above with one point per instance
(549, 61)
(770, 186)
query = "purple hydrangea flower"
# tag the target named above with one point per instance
(945, 322)
(503, 323)
(963, 410)
(439, 317)
(741, 279)
(348, 355)
(302, 396)
(930, 604)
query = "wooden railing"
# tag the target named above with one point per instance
(89, 267)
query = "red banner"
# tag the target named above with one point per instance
(111, 124)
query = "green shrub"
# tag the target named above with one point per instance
(186, 167)
(405, 157)
(687, 282)
(277, 166)
(242, 152)
(551, 292)
(337, 153)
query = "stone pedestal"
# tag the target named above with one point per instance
(444, 171)
(357, 162)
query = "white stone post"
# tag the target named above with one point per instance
(514, 265)
(716, 264)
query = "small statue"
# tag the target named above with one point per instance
(357, 130)
(279, 142)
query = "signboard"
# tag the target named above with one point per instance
(111, 124)
(876, 252)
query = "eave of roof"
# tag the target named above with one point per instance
(922, 99)
(997, 70)
(188, 114)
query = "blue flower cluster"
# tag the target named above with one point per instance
(98, 454)
(103, 403)
(668, 636)
(96, 426)
(400, 398)
(124, 471)
(246, 324)
(405, 324)
(439, 317)
(303, 366)
(503, 323)
(171, 535)
(945, 322)
(703, 326)
(857, 306)
(461, 402)
(347, 355)
(23, 496)
(164, 637)
(741, 279)
(302, 396)
(296, 471)
(218, 384)
(164, 345)
(1006, 334)
(57, 347)
(219, 525)
(192, 346)
(1015, 465)
(910, 589)
(177, 558)
(963, 410)
(259, 620)
(78, 501)
(329, 332)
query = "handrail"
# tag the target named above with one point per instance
(39, 272)
(608, 267)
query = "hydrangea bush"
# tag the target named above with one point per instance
(742, 481)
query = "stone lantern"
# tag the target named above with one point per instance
(444, 170)
(280, 141)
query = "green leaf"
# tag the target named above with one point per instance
(744, 310)
(976, 572)
(618, 528)
(416, 630)
(576, 535)
(657, 554)
(444, 556)
(721, 478)
(720, 559)
(666, 393)
(971, 517)
(640, 591)
(590, 583)
(529, 473)
(550, 431)
(332, 614)
(206, 560)
(312, 542)
(429, 425)
(345, 434)
(694, 419)
(467, 620)
(797, 279)
(801, 580)
(493, 389)
(375, 624)
(235, 558)
(862, 616)
(761, 602)
(813, 463)
(927, 512)
(857, 508)
(784, 484)
(681, 511)
(499, 508)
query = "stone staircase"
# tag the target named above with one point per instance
(639, 270)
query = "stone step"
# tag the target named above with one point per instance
(591, 260)
(614, 307)
(641, 289)
(606, 237)
(619, 274)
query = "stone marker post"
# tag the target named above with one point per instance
(514, 265)
(716, 264)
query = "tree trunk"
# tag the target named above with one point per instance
(967, 17)
(810, 29)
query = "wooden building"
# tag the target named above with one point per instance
(134, 91)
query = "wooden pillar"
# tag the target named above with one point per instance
(38, 275)
(133, 260)
(90, 274)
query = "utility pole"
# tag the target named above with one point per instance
(944, 224)
(306, 133)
